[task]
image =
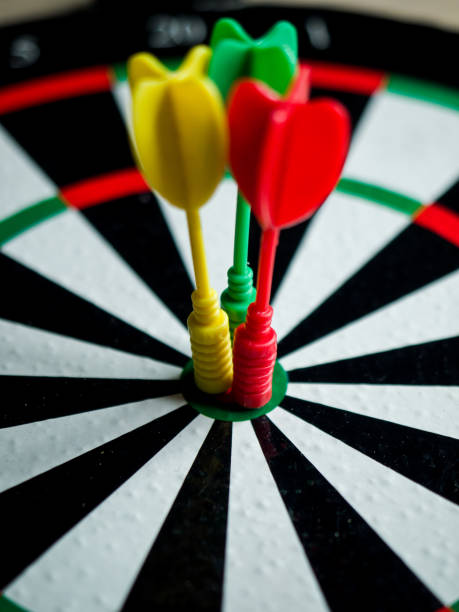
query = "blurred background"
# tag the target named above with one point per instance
(441, 13)
(418, 38)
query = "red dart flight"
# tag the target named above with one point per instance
(286, 155)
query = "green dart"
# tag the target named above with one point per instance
(272, 59)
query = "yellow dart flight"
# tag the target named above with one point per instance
(180, 127)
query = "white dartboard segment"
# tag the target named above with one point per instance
(345, 233)
(406, 145)
(428, 314)
(122, 95)
(430, 408)
(218, 218)
(31, 449)
(266, 569)
(28, 351)
(22, 182)
(420, 526)
(94, 566)
(67, 250)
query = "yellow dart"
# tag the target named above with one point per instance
(181, 144)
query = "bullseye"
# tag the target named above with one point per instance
(223, 408)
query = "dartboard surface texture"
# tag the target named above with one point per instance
(116, 493)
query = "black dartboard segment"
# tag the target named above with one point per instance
(450, 199)
(289, 241)
(61, 497)
(184, 569)
(57, 310)
(135, 227)
(426, 458)
(394, 272)
(432, 363)
(35, 398)
(337, 541)
(91, 123)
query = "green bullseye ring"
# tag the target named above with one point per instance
(220, 407)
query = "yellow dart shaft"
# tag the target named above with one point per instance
(198, 252)
(208, 323)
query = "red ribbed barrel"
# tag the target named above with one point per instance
(254, 358)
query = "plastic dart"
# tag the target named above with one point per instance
(272, 59)
(286, 156)
(180, 130)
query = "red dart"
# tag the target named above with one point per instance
(286, 155)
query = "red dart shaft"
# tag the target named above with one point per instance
(269, 241)
(255, 347)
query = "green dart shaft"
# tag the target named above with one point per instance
(241, 236)
(240, 291)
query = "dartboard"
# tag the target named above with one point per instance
(121, 491)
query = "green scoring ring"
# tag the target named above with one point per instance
(222, 409)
